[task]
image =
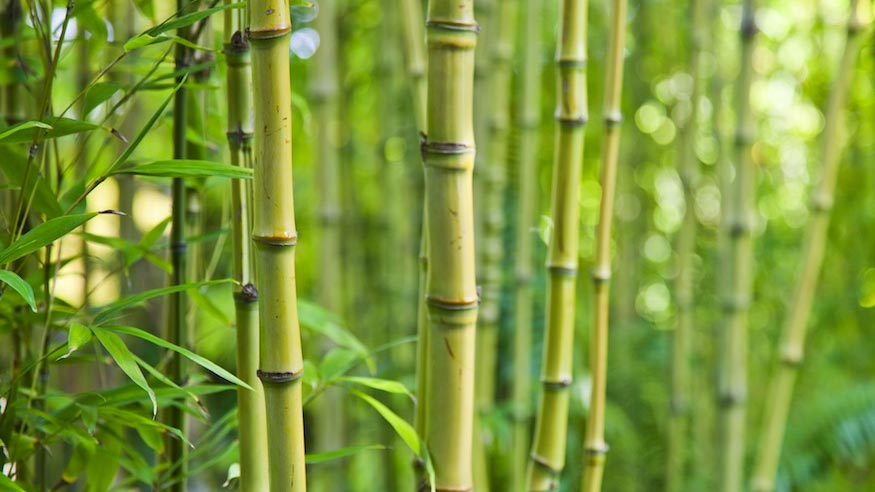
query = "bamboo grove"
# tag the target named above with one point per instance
(271, 245)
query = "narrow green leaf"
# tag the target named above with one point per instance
(98, 94)
(79, 335)
(189, 19)
(7, 484)
(19, 285)
(125, 360)
(106, 312)
(336, 454)
(42, 235)
(58, 127)
(185, 168)
(12, 130)
(403, 428)
(386, 385)
(197, 359)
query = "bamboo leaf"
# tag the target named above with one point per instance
(57, 127)
(403, 428)
(125, 360)
(42, 235)
(176, 23)
(386, 385)
(12, 130)
(106, 312)
(99, 93)
(19, 285)
(17, 167)
(197, 359)
(336, 454)
(186, 168)
(82, 453)
(8, 484)
(78, 336)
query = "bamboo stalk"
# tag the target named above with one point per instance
(527, 122)
(595, 447)
(251, 426)
(732, 375)
(792, 348)
(547, 458)
(448, 152)
(177, 453)
(328, 415)
(678, 442)
(274, 235)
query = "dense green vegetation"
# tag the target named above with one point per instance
(162, 327)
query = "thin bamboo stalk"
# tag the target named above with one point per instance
(252, 429)
(792, 348)
(328, 415)
(547, 458)
(527, 122)
(275, 236)
(678, 442)
(732, 374)
(177, 452)
(448, 152)
(595, 447)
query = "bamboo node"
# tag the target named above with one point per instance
(450, 148)
(613, 118)
(543, 463)
(265, 34)
(560, 385)
(731, 399)
(279, 377)
(600, 275)
(453, 26)
(571, 63)
(748, 26)
(562, 270)
(740, 227)
(597, 449)
(571, 121)
(451, 304)
(238, 136)
(460, 488)
(735, 303)
(287, 239)
(248, 294)
(820, 203)
(178, 247)
(238, 45)
(791, 357)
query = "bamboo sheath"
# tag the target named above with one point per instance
(177, 312)
(328, 414)
(595, 447)
(448, 152)
(792, 345)
(274, 235)
(547, 458)
(732, 375)
(527, 122)
(251, 419)
(678, 442)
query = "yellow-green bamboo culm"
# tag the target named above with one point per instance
(732, 373)
(792, 347)
(448, 152)
(251, 425)
(274, 235)
(527, 123)
(679, 407)
(327, 415)
(547, 458)
(177, 331)
(594, 446)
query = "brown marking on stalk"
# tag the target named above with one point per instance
(449, 349)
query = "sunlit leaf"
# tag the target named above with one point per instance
(386, 385)
(336, 454)
(78, 336)
(403, 428)
(184, 168)
(19, 285)
(125, 360)
(12, 130)
(42, 235)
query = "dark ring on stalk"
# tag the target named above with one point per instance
(556, 385)
(613, 119)
(279, 377)
(743, 138)
(453, 26)
(570, 63)
(522, 278)
(289, 240)
(739, 228)
(748, 26)
(600, 275)
(179, 247)
(445, 147)
(599, 450)
(451, 305)
(238, 44)
(238, 136)
(791, 359)
(731, 399)
(820, 203)
(267, 33)
(247, 294)
(563, 271)
(543, 464)
(572, 121)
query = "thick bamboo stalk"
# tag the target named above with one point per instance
(527, 122)
(678, 442)
(594, 444)
(328, 415)
(792, 348)
(448, 152)
(732, 374)
(274, 234)
(251, 428)
(177, 329)
(547, 458)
